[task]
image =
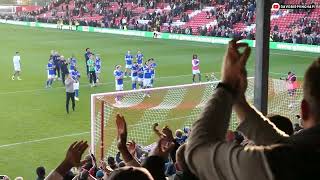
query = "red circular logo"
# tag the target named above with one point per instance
(275, 6)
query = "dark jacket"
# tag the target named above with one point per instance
(155, 166)
(64, 68)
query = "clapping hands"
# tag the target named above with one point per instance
(233, 70)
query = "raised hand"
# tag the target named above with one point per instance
(75, 152)
(122, 141)
(122, 131)
(163, 148)
(156, 130)
(233, 70)
(168, 134)
(72, 158)
(131, 147)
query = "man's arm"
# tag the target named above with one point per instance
(207, 154)
(210, 157)
(255, 126)
(212, 124)
(122, 141)
(72, 159)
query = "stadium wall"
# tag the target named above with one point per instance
(207, 39)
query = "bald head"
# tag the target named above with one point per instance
(125, 173)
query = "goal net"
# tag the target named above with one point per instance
(175, 106)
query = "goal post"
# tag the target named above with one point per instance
(176, 106)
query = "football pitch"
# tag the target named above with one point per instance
(35, 129)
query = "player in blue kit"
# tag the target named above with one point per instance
(134, 75)
(51, 73)
(139, 58)
(147, 75)
(140, 75)
(98, 67)
(153, 66)
(128, 59)
(118, 75)
(75, 75)
(73, 63)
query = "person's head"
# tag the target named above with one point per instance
(52, 52)
(61, 57)
(310, 105)
(186, 130)
(87, 49)
(289, 73)
(282, 123)
(41, 171)
(87, 162)
(68, 75)
(128, 52)
(99, 174)
(118, 67)
(194, 56)
(111, 161)
(179, 133)
(135, 63)
(180, 159)
(18, 178)
(139, 52)
(130, 173)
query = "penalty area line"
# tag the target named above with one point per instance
(43, 139)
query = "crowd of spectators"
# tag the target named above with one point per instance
(304, 31)
(225, 13)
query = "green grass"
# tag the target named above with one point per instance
(31, 112)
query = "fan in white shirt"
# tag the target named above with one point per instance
(17, 66)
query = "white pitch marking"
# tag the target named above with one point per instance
(43, 139)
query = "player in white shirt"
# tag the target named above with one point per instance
(17, 66)
(195, 68)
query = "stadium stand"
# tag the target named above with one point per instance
(218, 18)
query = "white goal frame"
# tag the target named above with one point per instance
(279, 102)
(94, 97)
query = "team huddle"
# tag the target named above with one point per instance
(142, 73)
(58, 69)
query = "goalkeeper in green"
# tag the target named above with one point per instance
(92, 71)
